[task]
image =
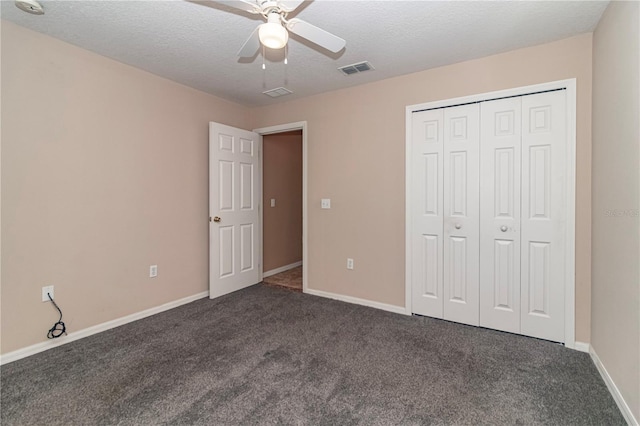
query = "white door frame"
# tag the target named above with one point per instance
(299, 125)
(570, 86)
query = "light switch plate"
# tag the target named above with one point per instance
(325, 203)
(273, 202)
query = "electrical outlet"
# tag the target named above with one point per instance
(325, 203)
(153, 271)
(48, 289)
(273, 202)
(349, 263)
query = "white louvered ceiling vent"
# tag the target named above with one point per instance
(356, 68)
(277, 92)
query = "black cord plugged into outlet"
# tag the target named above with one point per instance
(58, 328)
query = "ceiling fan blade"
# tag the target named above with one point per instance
(245, 5)
(290, 5)
(316, 35)
(250, 47)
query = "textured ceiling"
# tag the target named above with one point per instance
(196, 44)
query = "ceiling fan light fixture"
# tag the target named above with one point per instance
(30, 6)
(272, 34)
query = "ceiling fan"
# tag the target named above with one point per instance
(274, 33)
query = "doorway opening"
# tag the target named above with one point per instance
(284, 205)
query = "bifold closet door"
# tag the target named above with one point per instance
(445, 239)
(489, 207)
(500, 158)
(523, 210)
(461, 213)
(427, 214)
(544, 212)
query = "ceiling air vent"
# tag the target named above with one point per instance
(356, 68)
(277, 92)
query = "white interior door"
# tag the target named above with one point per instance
(234, 208)
(461, 213)
(427, 216)
(544, 176)
(500, 158)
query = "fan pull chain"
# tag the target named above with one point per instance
(286, 61)
(264, 67)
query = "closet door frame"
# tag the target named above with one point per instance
(570, 208)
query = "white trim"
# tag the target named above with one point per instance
(76, 335)
(261, 211)
(358, 301)
(299, 125)
(570, 236)
(570, 86)
(613, 389)
(408, 291)
(581, 347)
(281, 269)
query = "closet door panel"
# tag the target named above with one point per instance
(461, 213)
(500, 158)
(543, 214)
(427, 214)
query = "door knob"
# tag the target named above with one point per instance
(216, 219)
(458, 226)
(503, 228)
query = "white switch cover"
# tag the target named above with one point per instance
(153, 271)
(273, 202)
(325, 203)
(48, 289)
(349, 263)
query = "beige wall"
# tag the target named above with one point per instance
(356, 157)
(113, 178)
(104, 172)
(615, 332)
(282, 180)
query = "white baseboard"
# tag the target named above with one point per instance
(581, 346)
(281, 269)
(358, 301)
(76, 335)
(613, 389)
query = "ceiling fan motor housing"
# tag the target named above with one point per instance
(268, 4)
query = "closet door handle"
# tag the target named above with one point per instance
(458, 226)
(503, 228)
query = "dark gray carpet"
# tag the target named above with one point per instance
(270, 356)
